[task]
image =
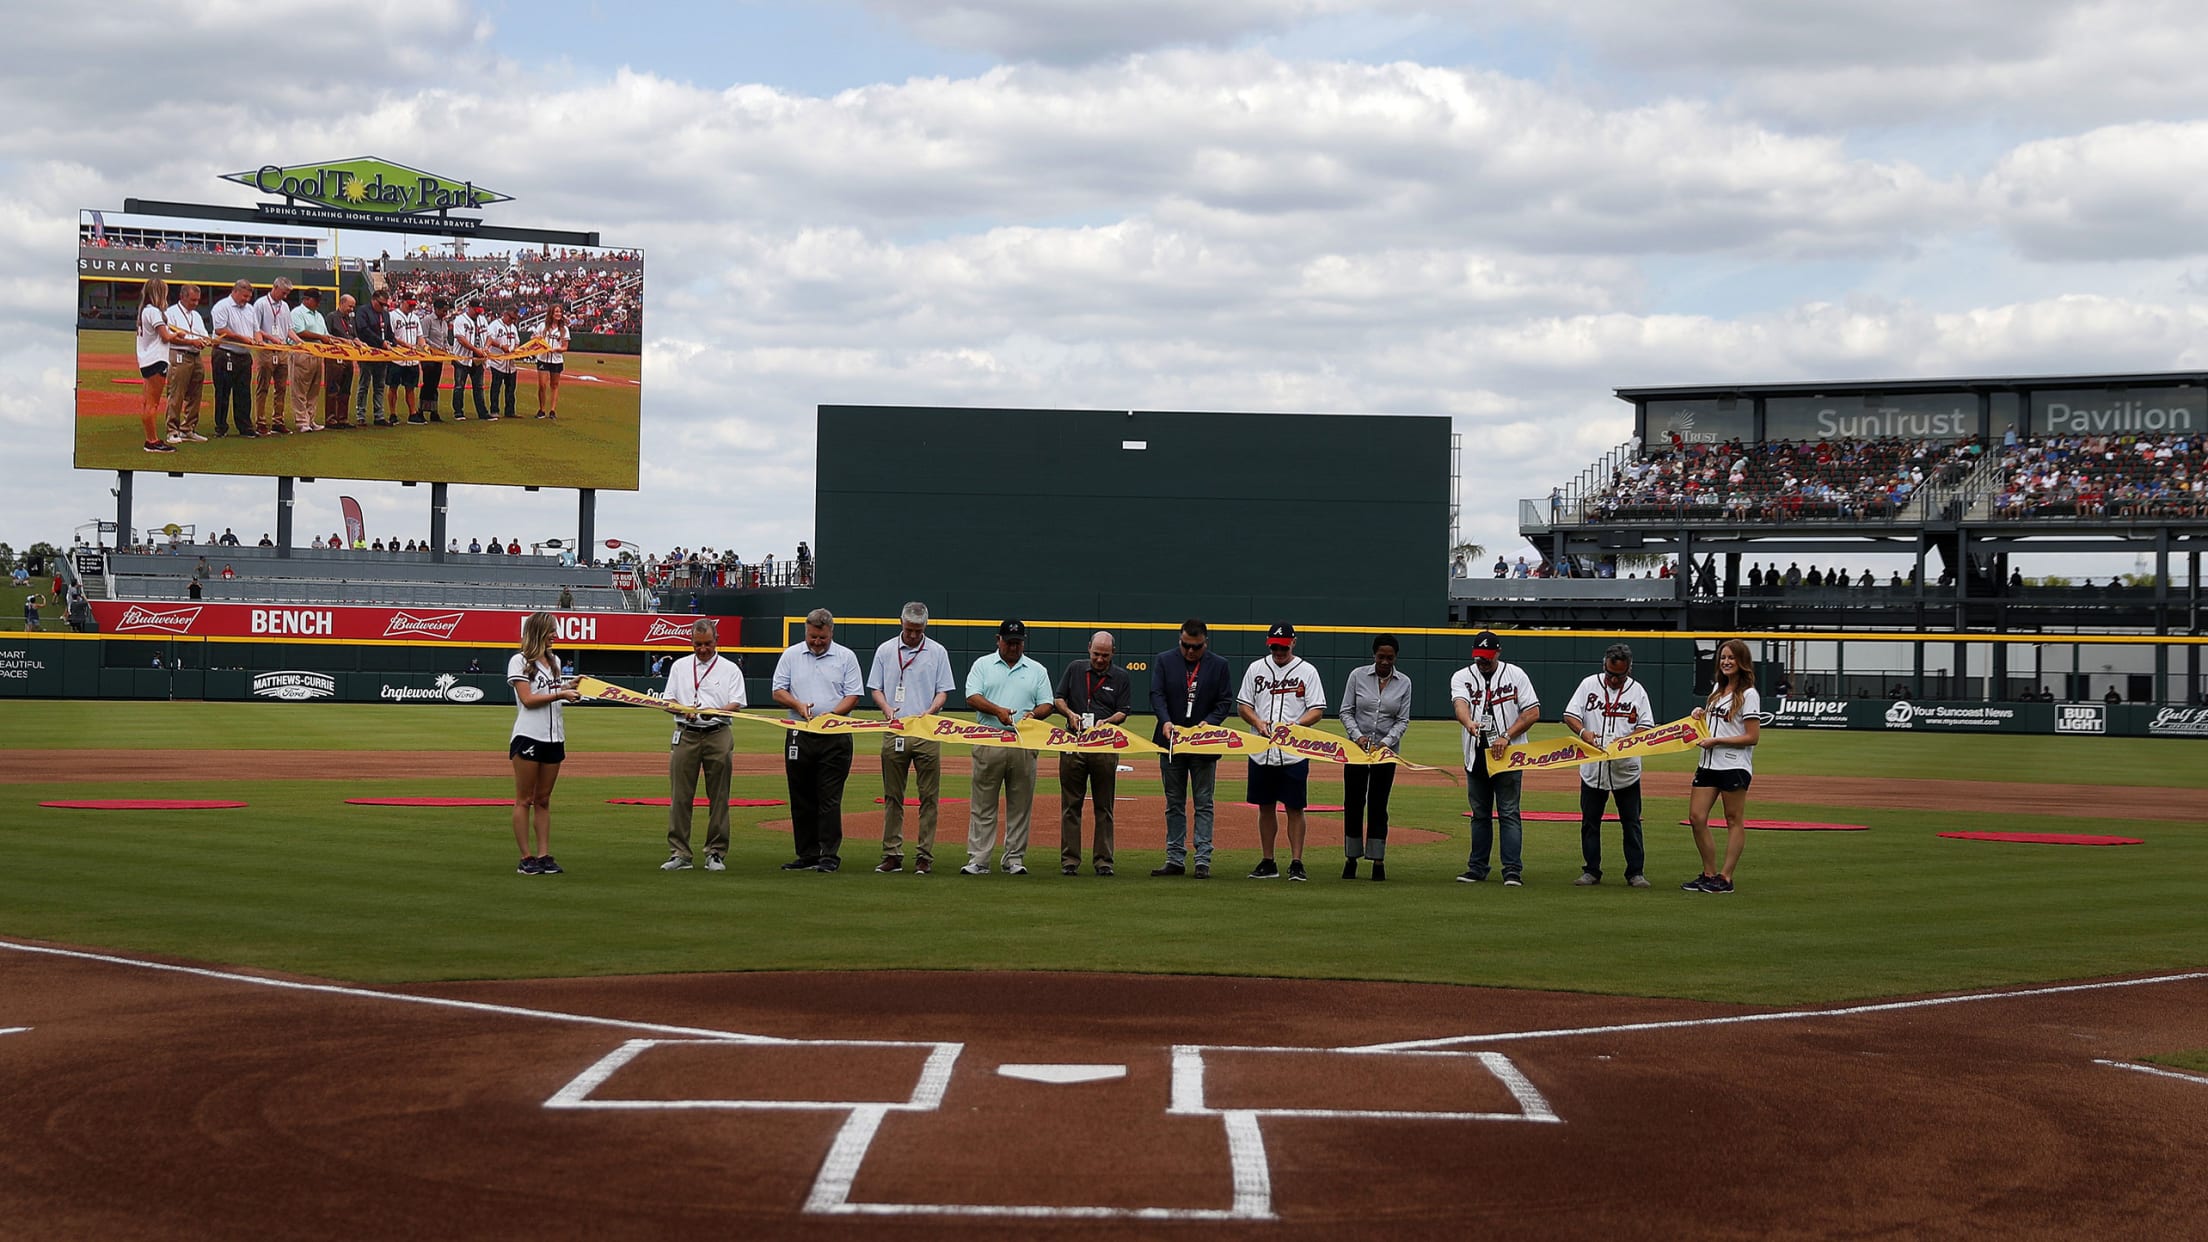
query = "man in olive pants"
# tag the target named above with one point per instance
(701, 744)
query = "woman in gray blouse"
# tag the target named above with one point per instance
(1376, 709)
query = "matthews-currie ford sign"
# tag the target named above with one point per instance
(367, 186)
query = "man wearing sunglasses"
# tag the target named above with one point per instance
(1189, 685)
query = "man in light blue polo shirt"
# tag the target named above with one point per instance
(817, 677)
(1003, 689)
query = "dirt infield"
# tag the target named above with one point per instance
(1991, 797)
(157, 1104)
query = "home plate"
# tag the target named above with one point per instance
(1063, 1074)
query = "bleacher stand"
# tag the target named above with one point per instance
(2103, 477)
(387, 579)
(1779, 481)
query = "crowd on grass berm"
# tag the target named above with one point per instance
(261, 387)
(1189, 685)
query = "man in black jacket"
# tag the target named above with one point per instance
(372, 324)
(1189, 685)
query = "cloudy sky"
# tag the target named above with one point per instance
(1497, 212)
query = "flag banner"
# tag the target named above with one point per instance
(930, 728)
(1682, 734)
(1216, 739)
(356, 527)
(1103, 739)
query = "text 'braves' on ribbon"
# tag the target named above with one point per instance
(1682, 734)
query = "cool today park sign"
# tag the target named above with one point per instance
(368, 185)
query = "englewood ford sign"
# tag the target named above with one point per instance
(471, 626)
(367, 185)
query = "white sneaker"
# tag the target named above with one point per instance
(713, 863)
(312, 427)
(974, 868)
(176, 437)
(675, 862)
(195, 437)
(1014, 869)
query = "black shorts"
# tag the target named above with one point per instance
(551, 368)
(1284, 783)
(1723, 780)
(535, 751)
(158, 368)
(403, 376)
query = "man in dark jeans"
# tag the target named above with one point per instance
(372, 324)
(1189, 685)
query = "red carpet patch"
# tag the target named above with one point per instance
(734, 802)
(142, 804)
(429, 801)
(2044, 838)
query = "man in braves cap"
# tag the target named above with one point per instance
(1280, 689)
(1496, 706)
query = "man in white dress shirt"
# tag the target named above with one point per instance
(911, 677)
(701, 680)
(817, 677)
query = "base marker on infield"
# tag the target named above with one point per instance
(1063, 1074)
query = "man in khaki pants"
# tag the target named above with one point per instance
(701, 743)
(1003, 688)
(271, 371)
(911, 677)
(307, 324)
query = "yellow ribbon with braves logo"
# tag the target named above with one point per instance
(1682, 734)
(1305, 742)
(1102, 739)
(1218, 739)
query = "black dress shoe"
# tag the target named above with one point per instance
(1171, 869)
(801, 864)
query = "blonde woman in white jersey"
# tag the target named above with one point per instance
(539, 743)
(153, 362)
(1727, 764)
(553, 361)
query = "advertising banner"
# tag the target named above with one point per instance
(490, 627)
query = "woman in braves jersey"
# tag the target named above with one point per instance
(552, 361)
(1727, 764)
(539, 743)
(153, 362)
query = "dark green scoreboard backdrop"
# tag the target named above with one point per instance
(1114, 516)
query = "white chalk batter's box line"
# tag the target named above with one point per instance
(1249, 1165)
(926, 1096)
(1189, 1101)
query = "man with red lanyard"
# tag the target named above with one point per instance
(1610, 705)
(1094, 691)
(702, 680)
(911, 677)
(1189, 685)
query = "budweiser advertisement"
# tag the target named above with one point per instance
(475, 627)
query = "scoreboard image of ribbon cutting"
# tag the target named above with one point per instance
(1680, 735)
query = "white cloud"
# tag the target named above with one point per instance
(1075, 31)
(2122, 192)
(1903, 62)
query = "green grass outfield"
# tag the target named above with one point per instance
(301, 882)
(594, 443)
